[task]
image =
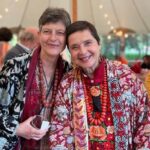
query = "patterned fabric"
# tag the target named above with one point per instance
(12, 97)
(15, 82)
(129, 107)
(15, 51)
(34, 103)
(101, 137)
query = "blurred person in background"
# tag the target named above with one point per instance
(28, 85)
(141, 68)
(5, 36)
(146, 62)
(122, 59)
(139, 65)
(28, 40)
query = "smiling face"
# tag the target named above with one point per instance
(52, 38)
(84, 49)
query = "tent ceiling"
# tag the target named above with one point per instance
(132, 14)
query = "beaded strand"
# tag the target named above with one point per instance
(97, 119)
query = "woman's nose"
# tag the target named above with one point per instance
(53, 36)
(82, 49)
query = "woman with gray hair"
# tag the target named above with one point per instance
(28, 85)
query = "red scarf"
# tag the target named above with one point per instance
(33, 104)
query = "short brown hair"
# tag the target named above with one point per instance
(54, 15)
(80, 26)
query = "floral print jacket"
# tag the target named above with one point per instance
(15, 80)
(129, 105)
(12, 97)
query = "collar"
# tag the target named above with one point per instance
(25, 48)
(98, 74)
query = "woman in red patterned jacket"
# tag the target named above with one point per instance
(100, 105)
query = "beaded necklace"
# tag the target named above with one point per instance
(46, 98)
(98, 117)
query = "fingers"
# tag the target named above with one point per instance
(147, 133)
(30, 119)
(37, 134)
(26, 130)
(36, 137)
(147, 130)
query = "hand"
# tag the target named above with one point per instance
(26, 130)
(147, 130)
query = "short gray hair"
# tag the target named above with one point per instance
(54, 15)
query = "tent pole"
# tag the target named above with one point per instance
(74, 10)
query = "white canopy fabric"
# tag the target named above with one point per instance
(104, 14)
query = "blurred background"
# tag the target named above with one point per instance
(123, 25)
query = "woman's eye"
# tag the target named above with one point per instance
(60, 33)
(45, 31)
(88, 43)
(75, 48)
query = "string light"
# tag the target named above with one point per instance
(6, 10)
(111, 27)
(126, 35)
(108, 22)
(106, 17)
(109, 37)
(119, 33)
(101, 6)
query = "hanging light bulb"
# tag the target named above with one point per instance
(108, 22)
(126, 35)
(119, 33)
(101, 6)
(111, 27)
(6, 10)
(106, 15)
(109, 37)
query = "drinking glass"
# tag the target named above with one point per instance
(40, 123)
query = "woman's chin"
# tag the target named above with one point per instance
(89, 69)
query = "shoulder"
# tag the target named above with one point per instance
(122, 73)
(16, 64)
(67, 80)
(14, 52)
(118, 68)
(68, 76)
(20, 59)
(16, 49)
